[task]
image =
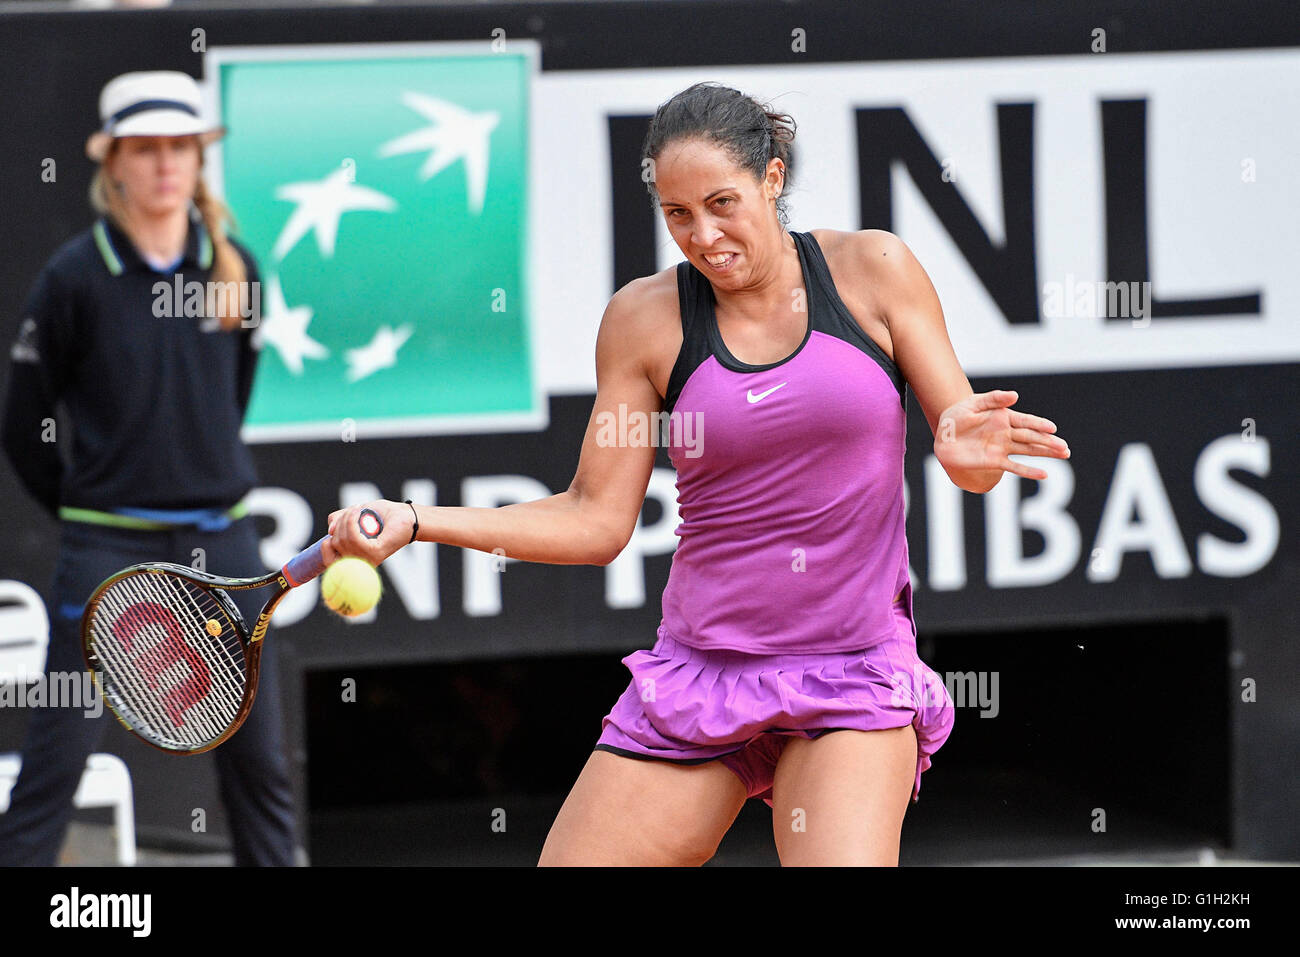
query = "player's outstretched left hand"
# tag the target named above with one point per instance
(346, 537)
(981, 432)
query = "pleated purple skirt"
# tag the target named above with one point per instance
(690, 706)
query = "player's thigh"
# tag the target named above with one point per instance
(628, 811)
(840, 799)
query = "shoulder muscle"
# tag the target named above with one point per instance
(909, 305)
(641, 328)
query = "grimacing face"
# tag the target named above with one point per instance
(714, 207)
(158, 174)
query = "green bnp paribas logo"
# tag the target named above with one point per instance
(384, 193)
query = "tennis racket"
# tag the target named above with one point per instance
(173, 656)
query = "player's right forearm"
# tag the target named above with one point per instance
(557, 530)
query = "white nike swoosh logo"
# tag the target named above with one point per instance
(762, 395)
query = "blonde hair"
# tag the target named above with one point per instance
(227, 264)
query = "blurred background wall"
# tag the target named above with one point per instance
(1121, 634)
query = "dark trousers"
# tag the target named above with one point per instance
(251, 765)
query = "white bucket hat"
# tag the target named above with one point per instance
(160, 103)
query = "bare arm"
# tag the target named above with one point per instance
(587, 524)
(973, 434)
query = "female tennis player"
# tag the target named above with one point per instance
(786, 665)
(155, 395)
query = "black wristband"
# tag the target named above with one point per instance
(415, 530)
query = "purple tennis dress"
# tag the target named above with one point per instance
(788, 610)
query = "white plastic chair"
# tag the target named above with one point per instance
(24, 640)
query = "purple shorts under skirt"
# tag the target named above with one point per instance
(689, 706)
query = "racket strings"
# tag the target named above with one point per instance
(182, 685)
(225, 644)
(141, 667)
(123, 676)
(163, 679)
(228, 672)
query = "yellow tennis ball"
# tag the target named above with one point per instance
(350, 587)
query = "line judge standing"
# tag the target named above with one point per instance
(156, 469)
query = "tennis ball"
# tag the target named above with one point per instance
(350, 587)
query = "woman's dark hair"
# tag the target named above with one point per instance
(745, 128)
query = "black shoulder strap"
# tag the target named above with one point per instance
(833, 317)
(692, 289)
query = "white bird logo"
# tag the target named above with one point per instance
(379, 353)
(456, 134)
(286, 330)
(321, 204)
